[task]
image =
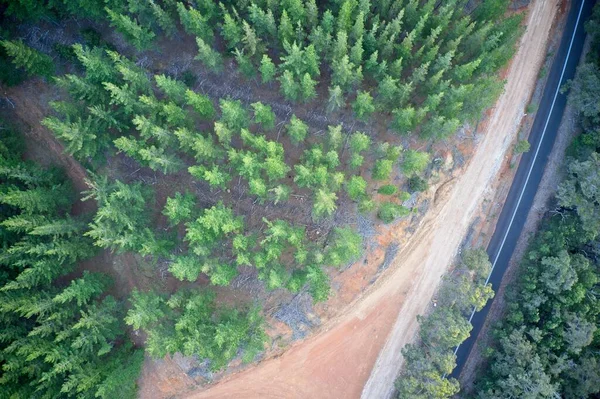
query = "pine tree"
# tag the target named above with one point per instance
(231, 29)
(57, 227)
(267, 69)
(340, 47)
(382, 169)
(29, 59)
(388, 212)
(139, 36)
(163, 19)
(289, 86)
(186, 267)
(336, 99)
(356, 52)
(157, 159)
(123, 97)
(335, 138)
(263, 21)
(250, 40)
(37, 199)
(60, 339)
(414, 162)
(286, 29)
(356, 188)
(311, 61)
(80, 136)
(244, 64)
(388, 91)
(363, 105)
(174, 89)
(318, 282)
(148, 308)
(195, 23)
(216, 177)
(233, 114)
(121, 216)
(280, 193)
(209, 57)
(201, 104)
(275, 168)
(345, 74)
(297, 130)
(179, 208)
(307, 88)
(258, 187)
(263, 115)
(404, 120)
(84, 289)
(324, 203)
(359, 142)
(345, 246)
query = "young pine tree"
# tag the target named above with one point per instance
(179, 208)
(263, 115)
(30, 60)
(208, 56)
(297, 130)
(138, 35)
(363, 105)
(267, 69)
(336, 99)
(195, 23)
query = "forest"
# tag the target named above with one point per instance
(546, 344)
(213, 188)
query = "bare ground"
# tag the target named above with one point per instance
(550, 180)
(338, 361)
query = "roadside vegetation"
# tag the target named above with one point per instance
(219, 188)
(547, 345)
(429, 362)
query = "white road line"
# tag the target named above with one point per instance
(534, 156)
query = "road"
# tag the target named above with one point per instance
(532, 165)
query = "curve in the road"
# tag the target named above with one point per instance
(532, 165)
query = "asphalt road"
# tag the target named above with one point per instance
(532, 165)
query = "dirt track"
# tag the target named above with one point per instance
(337, 362)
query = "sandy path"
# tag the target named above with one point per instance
(337, 362)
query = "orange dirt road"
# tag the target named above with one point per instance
(344, 359)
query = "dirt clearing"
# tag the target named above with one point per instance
(337, 362)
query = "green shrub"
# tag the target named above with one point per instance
(404, 196)
(522, 146)
(366, 205)
(188, 78)
(356, 188)
(417, 184)
(388, 212)
(388, 189)
(382, 169)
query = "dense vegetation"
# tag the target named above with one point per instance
(60, 337)
(413, 67)
(429, 362)
(548, 344)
